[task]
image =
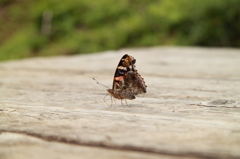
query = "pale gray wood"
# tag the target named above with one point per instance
(191, 108)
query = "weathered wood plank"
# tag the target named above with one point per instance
(191, 108)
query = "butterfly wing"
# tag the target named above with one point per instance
(127, 82)
(126, 64)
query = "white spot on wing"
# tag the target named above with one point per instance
(122, 68)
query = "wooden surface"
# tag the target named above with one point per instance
(51, 107)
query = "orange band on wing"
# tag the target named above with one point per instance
(118, 78)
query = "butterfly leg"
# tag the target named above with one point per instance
(121, 102)
(126, 102)
(111, 101)
(104, 99)
(114, 101)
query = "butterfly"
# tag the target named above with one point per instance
(127, 82)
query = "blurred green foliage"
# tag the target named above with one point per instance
(83, 26)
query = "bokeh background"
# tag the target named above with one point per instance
(55, 27)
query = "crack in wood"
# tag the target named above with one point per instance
(113, 147)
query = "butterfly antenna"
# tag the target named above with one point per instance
(100, 83)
